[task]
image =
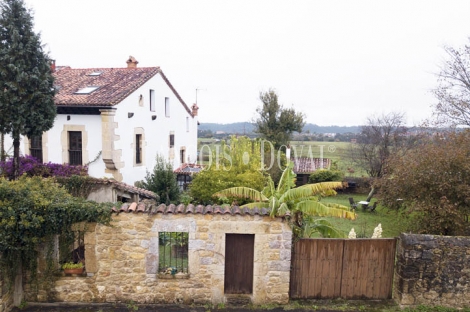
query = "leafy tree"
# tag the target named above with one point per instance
(453, 90)
(237, 163)
(32, 211)
(162, 181)
(432, 183)
(276, 123)
(27, 97)
(296, 203)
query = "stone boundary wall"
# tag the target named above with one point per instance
(122, 260)
(433, 270)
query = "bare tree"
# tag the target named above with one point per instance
(453, 90)
(379, 139)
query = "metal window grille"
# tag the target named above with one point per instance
(36, 147)
(173, 252)
(72, 247)
(75, 148)
(138, 148)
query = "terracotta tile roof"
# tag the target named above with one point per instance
(188, 169)
(114, 85)
(149, 208)
(126, 187)
(309, 165)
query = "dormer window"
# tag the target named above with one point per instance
(86, 90)
(95, 73)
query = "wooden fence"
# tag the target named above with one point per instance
(343, 268)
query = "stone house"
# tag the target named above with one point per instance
(116, 121)
(224, 254)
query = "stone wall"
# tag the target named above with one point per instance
(433, 270)
(122, 260)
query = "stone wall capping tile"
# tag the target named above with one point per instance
(190, 208)
(124, 207)
(141, 207)
(199, 209)
(152, 209)
(209, 209)
(132, 207)
(180, 208)
(161, 208)
(171, 208)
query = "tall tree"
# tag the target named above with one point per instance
(379, 139)
(26, 82)
(276, 123)
(453, 90)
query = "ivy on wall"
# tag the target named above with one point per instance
(32, 211)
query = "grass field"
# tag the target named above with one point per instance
(392, 222)
(336, 151)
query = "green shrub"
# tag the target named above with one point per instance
(326, 175)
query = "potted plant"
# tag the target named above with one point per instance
(73, 268)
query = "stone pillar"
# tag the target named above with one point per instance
(111, 157)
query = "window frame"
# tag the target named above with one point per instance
(35, 147)
(167, 107)
(152, 100)
(138, 148)
(172, 140)
(174, 259)
(75, 148)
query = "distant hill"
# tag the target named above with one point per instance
(247, 128)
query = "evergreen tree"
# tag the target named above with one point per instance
(26, 82)
(162, 181)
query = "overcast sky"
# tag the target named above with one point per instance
(338, 62)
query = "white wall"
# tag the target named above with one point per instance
(155, 133)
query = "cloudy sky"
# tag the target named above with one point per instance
(338, 62)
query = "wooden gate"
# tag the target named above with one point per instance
(343, 268)
(239, 256)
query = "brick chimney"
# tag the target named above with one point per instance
(53, 66)
(132, 62)
(194, 109)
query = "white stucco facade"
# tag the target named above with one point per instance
(109, 139)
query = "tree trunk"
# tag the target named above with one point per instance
(2, 147)
(16, 156)
(371, 194)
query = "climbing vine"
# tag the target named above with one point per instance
(32, 211)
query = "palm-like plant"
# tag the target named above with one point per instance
(296, 203)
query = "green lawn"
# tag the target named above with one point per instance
(392, 222)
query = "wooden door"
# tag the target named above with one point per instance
(239, 256)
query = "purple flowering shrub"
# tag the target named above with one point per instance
(32, 167)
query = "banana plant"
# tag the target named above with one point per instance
(292, 202)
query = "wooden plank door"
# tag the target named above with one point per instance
(239, 256)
